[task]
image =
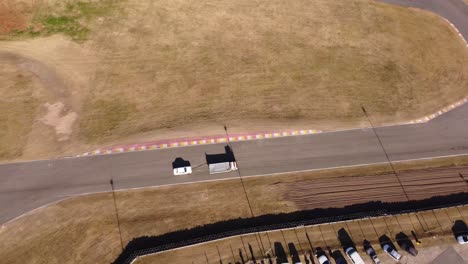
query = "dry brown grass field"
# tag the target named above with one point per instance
(129, 71)
(84, 229)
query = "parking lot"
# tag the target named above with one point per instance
(433, 229)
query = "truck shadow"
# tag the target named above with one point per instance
(345, 239)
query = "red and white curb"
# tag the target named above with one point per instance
(440, 112)
(458, 31)
(452, 106)
(185, 142)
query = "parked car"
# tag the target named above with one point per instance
(322, 256)
(462, 239)
(393, 253)
(354, 256)
(371, 252)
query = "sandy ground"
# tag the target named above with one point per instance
(166, 69)
(11, 17)
(432, 246)
(84, 229)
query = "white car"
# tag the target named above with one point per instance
(321, 256)
(354, 256)
(183, 170)
(323, 259)
(371, 252)
(392, 252)
(462, 239)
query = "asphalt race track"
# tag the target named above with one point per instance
(29, 185)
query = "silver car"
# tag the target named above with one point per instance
(392, 252)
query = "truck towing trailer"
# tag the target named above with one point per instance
(224, 162)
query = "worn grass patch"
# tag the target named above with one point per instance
(18, 107)
(102, 117)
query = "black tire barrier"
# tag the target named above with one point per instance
(153, 244)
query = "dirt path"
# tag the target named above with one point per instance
(47, 75)
(61, 68)
(58, 108)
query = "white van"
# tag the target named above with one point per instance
(354, 256)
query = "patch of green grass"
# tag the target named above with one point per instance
(58, 21)
(73, 20)
(91, 10)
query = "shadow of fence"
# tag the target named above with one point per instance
(150, 245)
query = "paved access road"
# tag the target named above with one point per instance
(26, 186)
(456, 11)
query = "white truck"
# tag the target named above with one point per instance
(219, 163)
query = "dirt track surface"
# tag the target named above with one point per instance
(48, 77)
(335, 192)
